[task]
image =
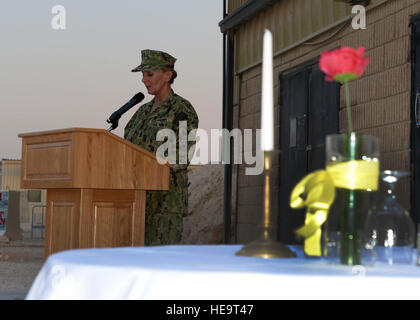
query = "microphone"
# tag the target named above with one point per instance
(113, 119)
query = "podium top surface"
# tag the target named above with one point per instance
(89, 130)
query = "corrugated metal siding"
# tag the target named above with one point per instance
(10, 178)
(235, 4)
(290, 21)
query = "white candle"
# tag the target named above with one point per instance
(267, 106)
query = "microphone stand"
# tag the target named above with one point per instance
(114, 124)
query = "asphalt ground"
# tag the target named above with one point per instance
(20, 262)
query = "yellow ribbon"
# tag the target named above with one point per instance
(316, 192)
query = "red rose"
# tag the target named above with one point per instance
(343, 64)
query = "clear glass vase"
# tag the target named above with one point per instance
(389, 233)
(343, 230)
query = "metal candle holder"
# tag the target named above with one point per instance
(267, 246)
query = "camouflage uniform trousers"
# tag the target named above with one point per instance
(165, 211)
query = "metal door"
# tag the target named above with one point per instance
(309, 108)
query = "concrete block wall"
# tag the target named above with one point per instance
(380, 99)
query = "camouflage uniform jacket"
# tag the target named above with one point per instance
(164, 209)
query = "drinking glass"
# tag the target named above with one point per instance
(389, 231)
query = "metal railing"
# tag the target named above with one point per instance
(35, 218)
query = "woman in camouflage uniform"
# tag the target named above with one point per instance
(164, 209)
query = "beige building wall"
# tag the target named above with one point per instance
(380, 99)
(10, 174)
(10, 180)
(234, 4)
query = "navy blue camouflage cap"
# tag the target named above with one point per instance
(154, 60)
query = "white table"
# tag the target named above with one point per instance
(199, 272)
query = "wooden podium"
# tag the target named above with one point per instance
(95, 183)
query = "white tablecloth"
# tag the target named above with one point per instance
(213, 272)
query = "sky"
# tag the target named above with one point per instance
(77, 76)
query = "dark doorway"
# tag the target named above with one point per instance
(309, 110)
(415, 118)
